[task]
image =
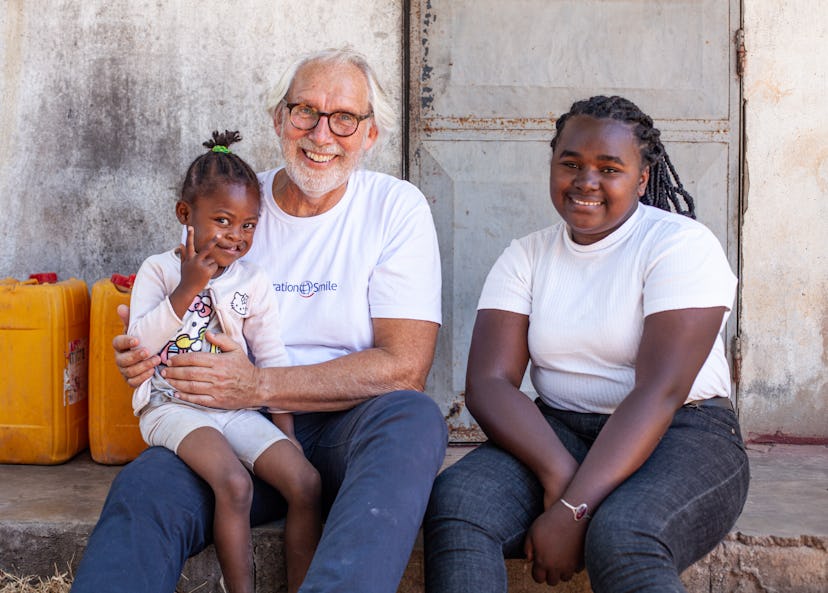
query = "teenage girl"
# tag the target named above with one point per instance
(630, 462)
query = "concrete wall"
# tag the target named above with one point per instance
(104, 104)
(784, 273)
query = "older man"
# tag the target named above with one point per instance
(353, 258)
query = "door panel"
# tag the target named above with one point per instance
(488, 80)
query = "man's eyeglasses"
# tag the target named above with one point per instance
(340, 123)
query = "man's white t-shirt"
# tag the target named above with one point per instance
(373, 255)
(587, 303)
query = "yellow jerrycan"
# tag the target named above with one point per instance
(114, 437)
(44, 356)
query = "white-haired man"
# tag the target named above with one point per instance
(354, 262)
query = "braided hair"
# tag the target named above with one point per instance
(664, 189)
(218, 166)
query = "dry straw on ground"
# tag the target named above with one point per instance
(59, 583)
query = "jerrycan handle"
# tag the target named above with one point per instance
(43, 278)
(123, 283)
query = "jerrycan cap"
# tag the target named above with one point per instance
(44, 277)
(123, 283)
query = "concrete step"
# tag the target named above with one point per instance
(780, 543)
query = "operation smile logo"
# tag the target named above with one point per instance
(306, 288)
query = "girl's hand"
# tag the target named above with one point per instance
(196, 268)
(555, 545)
(196, 271)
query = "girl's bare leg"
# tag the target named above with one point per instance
(283, 465)
(209, 455)
(284, 422)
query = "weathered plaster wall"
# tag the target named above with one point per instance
(104, 103)
(784, 275)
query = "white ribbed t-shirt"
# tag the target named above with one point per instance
(587, 303)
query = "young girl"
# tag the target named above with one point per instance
(202, 286)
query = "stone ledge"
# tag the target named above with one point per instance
(779, 545)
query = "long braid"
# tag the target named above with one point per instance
(217, 167)
(664, 188)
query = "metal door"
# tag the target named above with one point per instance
(488, 79)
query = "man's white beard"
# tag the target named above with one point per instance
(315, 183)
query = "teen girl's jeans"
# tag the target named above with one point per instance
(377, 463)
(668, 514)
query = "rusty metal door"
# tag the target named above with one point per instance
(488, 79)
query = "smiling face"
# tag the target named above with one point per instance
(317, 161)
(596, 176)
(229, 213)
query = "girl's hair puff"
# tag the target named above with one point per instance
(664, 189)
(217, 167)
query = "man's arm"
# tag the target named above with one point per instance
(400, 359)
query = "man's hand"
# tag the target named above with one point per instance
(227, 380)
(135, 363)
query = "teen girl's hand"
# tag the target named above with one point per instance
(555, 545)
(196, 271)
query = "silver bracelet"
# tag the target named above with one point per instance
(579, 512)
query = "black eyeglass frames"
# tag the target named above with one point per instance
(340, 123)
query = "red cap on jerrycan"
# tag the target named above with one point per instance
(44, 277)
(123, 283)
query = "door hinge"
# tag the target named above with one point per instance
(741, 52)
(736, 357)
